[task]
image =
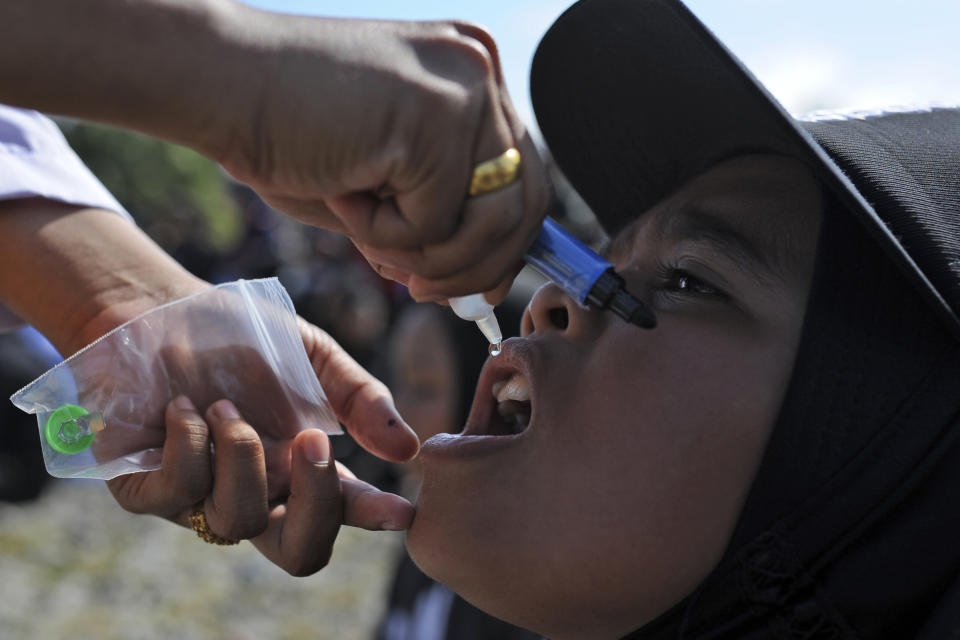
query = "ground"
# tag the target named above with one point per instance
(74, 565)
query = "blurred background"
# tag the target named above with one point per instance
(74, 565)
(816, 54)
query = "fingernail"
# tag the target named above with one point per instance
(225, 410)
(390, 526)
(183, 403)
(317, 450)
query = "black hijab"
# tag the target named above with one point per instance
(851, 528)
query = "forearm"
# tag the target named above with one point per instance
(75, 273)
(167, 68)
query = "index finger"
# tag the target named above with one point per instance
(360, 401)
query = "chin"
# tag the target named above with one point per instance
(512, 595)
(450, 542)
(500, 576)
(551, 581)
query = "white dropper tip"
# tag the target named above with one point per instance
(490, 328)
(476, 308)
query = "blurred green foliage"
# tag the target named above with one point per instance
(180, 198)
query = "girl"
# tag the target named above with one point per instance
(779, 457)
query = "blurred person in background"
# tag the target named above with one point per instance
(435, 360)
(24, 355)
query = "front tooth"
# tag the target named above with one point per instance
(516, 388)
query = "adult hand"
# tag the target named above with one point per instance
(288, 497)
(373, 129)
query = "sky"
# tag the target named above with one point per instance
(811, 54)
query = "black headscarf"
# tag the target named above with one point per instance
(852, 526)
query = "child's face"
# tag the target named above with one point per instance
(425, 379)
(621, 494)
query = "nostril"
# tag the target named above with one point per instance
(559, 317)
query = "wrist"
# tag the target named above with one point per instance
(110, 307)
(76, 273)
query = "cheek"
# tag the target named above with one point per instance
(666, 439)
(700, 419)
(701, 414)
(659, 476)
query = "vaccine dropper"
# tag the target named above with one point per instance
(575, 268)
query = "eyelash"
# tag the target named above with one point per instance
(675, 281)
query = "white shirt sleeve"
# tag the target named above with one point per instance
(36, 161)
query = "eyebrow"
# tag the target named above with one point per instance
(698, 224)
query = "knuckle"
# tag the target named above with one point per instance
(459, 67)
(189, 489)
(446, 90)
(240, 439)
(471, 42)
(478, 34)
(125, 496)
(325, 348)
(194, 430)
(243, 524)
(373, 391)
(479, 56)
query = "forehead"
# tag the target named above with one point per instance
(765, 208)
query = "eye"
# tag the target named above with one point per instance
(683, 283)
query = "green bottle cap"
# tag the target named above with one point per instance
(65, 433)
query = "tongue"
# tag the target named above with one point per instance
(514, 413)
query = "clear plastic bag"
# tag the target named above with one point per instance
(101, 411)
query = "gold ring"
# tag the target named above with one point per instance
(496, 173)
(198, 522)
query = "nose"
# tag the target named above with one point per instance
(551, 309)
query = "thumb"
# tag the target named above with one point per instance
(300, 533)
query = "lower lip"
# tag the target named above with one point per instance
(448, 445)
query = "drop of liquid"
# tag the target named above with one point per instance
(495, 349)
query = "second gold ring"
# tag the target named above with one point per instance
(198, 522)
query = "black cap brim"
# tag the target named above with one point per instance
(635, 97)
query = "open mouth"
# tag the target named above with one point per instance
(513, 404)
(502, 405)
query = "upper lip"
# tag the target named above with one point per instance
(516, 357)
